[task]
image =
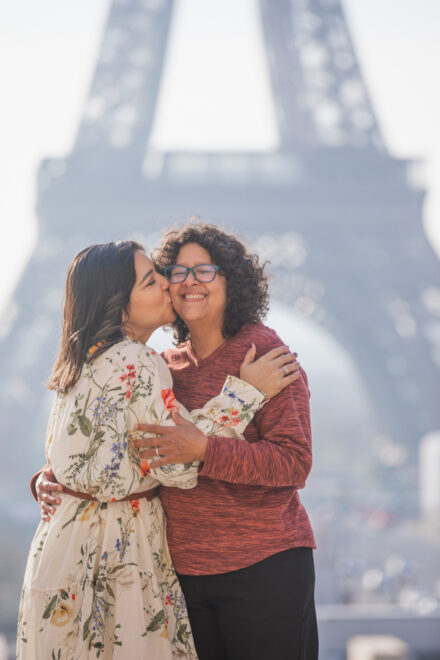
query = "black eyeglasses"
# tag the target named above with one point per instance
(201, 273)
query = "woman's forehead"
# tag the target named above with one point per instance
(192, 254)
(142, 263)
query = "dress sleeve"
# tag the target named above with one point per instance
(282, 456)
(230, 412)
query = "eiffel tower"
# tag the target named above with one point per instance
(330, 207)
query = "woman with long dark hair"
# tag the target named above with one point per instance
(99, 581)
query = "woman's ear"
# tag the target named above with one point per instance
(124, 316)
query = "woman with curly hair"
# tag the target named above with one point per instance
(241, 541)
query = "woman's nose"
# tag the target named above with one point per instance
(190, 278)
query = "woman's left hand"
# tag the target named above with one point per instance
(183, 443)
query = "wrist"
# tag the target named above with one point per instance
(203, 448)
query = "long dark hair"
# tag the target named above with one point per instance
(98, 286)
(246, 281)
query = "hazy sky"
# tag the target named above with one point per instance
(47, 54)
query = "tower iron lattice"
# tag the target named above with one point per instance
(331, 209)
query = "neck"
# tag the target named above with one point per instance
(139, 336)
(204, 343)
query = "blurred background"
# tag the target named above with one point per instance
(308, 127)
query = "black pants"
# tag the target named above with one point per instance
(263, 612)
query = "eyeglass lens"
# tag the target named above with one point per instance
(202, 273)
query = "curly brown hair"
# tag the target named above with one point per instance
(246, 281)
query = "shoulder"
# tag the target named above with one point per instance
(128, 353)
(261, 335)
(134, 362)
(127, 348)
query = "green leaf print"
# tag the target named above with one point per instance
(49, 608)
(98, 435)
(154, 415)
(81, 506)
(85, 425)
(182, 633)
(86, 627)
(157, 622)
(110, 590)
(71, 429)
(117, 568)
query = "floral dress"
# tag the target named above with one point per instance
(99, 581)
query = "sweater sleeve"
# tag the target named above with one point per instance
(283, 454)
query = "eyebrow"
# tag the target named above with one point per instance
(147, 274)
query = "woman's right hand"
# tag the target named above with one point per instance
(272, 372)
(47, 489)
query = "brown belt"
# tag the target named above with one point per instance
(147, 494)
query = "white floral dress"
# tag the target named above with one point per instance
(99, 580)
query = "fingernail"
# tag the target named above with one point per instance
(58, 501)
(295, 354)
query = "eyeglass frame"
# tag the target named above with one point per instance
(190, 270)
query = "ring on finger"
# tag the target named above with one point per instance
(157, 452)
(284, 368)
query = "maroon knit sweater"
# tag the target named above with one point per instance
(246, 506)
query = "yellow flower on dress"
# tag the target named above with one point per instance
(87, 513)
(61, 615)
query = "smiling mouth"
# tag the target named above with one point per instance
(194, 297)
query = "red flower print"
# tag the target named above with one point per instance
(128, 395)
(234, 413)
(234, 422)
(73, 596)
(122, 378)
(135, 505)
(144, 467)
(168, 599)
(169, 400)
(224, 418)
(131, 367)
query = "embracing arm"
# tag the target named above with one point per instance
(282, 456)
(228, 414)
